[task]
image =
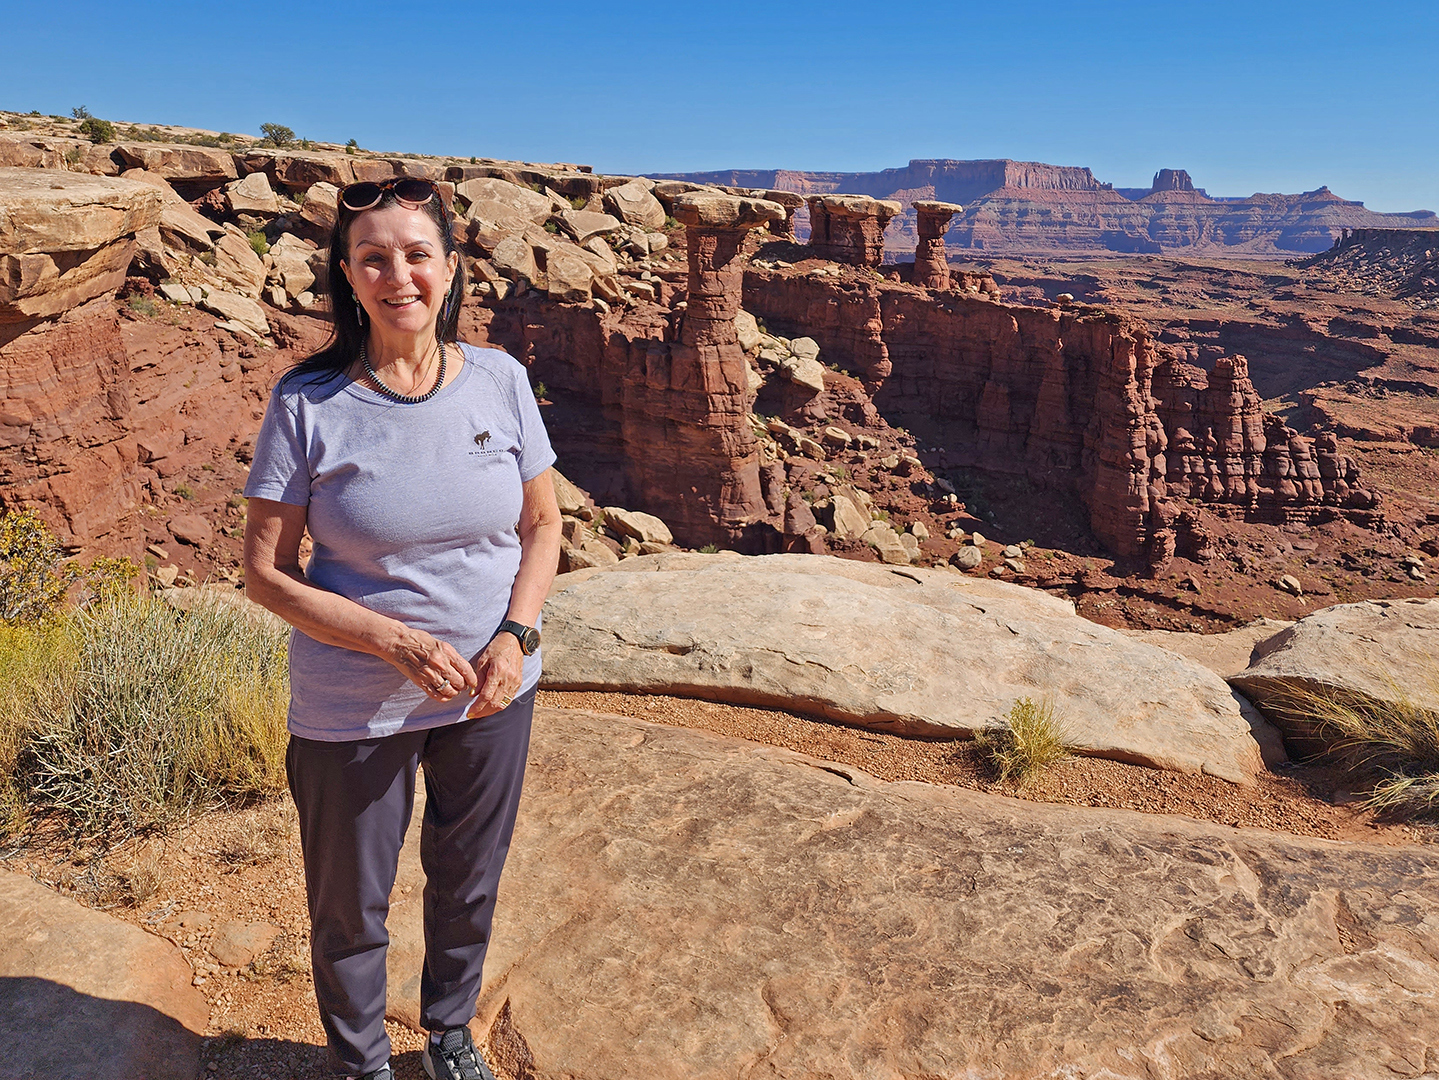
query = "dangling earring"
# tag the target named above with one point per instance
(359, 314)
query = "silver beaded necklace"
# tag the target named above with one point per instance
(405, 399)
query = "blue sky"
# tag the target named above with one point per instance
(1256, 96)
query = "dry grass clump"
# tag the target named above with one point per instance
(127, 714)
(1394, 742)
(1031, 741)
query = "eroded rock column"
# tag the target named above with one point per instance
(931, 267)
(702, 472)
(850, 228)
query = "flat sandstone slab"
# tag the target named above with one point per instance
(922, 652)
(83, 994)
(682, 905)
(47, 211)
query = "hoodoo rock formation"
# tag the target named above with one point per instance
(931, 265)
(706, 480)
(1077, 398)
(850, 228)
(1224, 449)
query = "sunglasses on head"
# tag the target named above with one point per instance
(411, 192)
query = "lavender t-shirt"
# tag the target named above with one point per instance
(413, 511)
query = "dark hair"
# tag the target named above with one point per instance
(350, 323)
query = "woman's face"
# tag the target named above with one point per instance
(398, 269)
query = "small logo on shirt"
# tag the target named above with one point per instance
(482, 438)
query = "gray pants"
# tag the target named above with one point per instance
(354, 800)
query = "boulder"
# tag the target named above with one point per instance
(678, 905)
(803, 371)
(584, 224)
(600, 256)
(241, 310)
(191, 529)
(643, 527)
(530, 205)
(925, 653)
(1377, 654)
(805, 348)
(490, 222)
(252, 195)
(179, 162)
(66, 238)
(967, 558)
(633, 204)
(570, 498)
(848, 521)
(321, 205)
(887, 543)
(84, 994)
(298, 170)
(747, 329)
(514, 258)
(289, 264)
(237, 264)
(568, 275)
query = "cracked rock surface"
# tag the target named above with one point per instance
(679, 904)
(913, 651)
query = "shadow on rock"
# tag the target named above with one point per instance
(48, 1029)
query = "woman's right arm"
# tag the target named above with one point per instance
(274, 580)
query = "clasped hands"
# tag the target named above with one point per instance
(492, 678)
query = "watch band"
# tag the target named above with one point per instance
(527, 636)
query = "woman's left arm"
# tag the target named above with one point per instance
(500, 664)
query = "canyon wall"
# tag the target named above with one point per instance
(1076, 399)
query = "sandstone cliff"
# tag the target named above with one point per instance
(1014, 207)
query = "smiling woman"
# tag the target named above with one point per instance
(409, 457)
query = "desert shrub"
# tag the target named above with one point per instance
(128, 714)
(578, 202)
(79, 112)
(351, 146)
(1393, 744)
(74, 156)
(1031, 741)
(540, 391)
(258, 242)
(143, 305)
(97, 130)
(277, 135)
(34, 576)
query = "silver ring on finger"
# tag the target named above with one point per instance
(444, 684)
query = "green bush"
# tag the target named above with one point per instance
(277, 135)
(97, 130)
(79, 112)
(34, 576)
(259, 243)
(351, 146)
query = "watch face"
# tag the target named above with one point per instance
(530, 641)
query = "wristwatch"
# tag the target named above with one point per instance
(528, 636)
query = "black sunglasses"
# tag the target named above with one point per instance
(411, 192)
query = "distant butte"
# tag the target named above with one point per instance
(1030, 208)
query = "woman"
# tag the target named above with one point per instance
(410, 459)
